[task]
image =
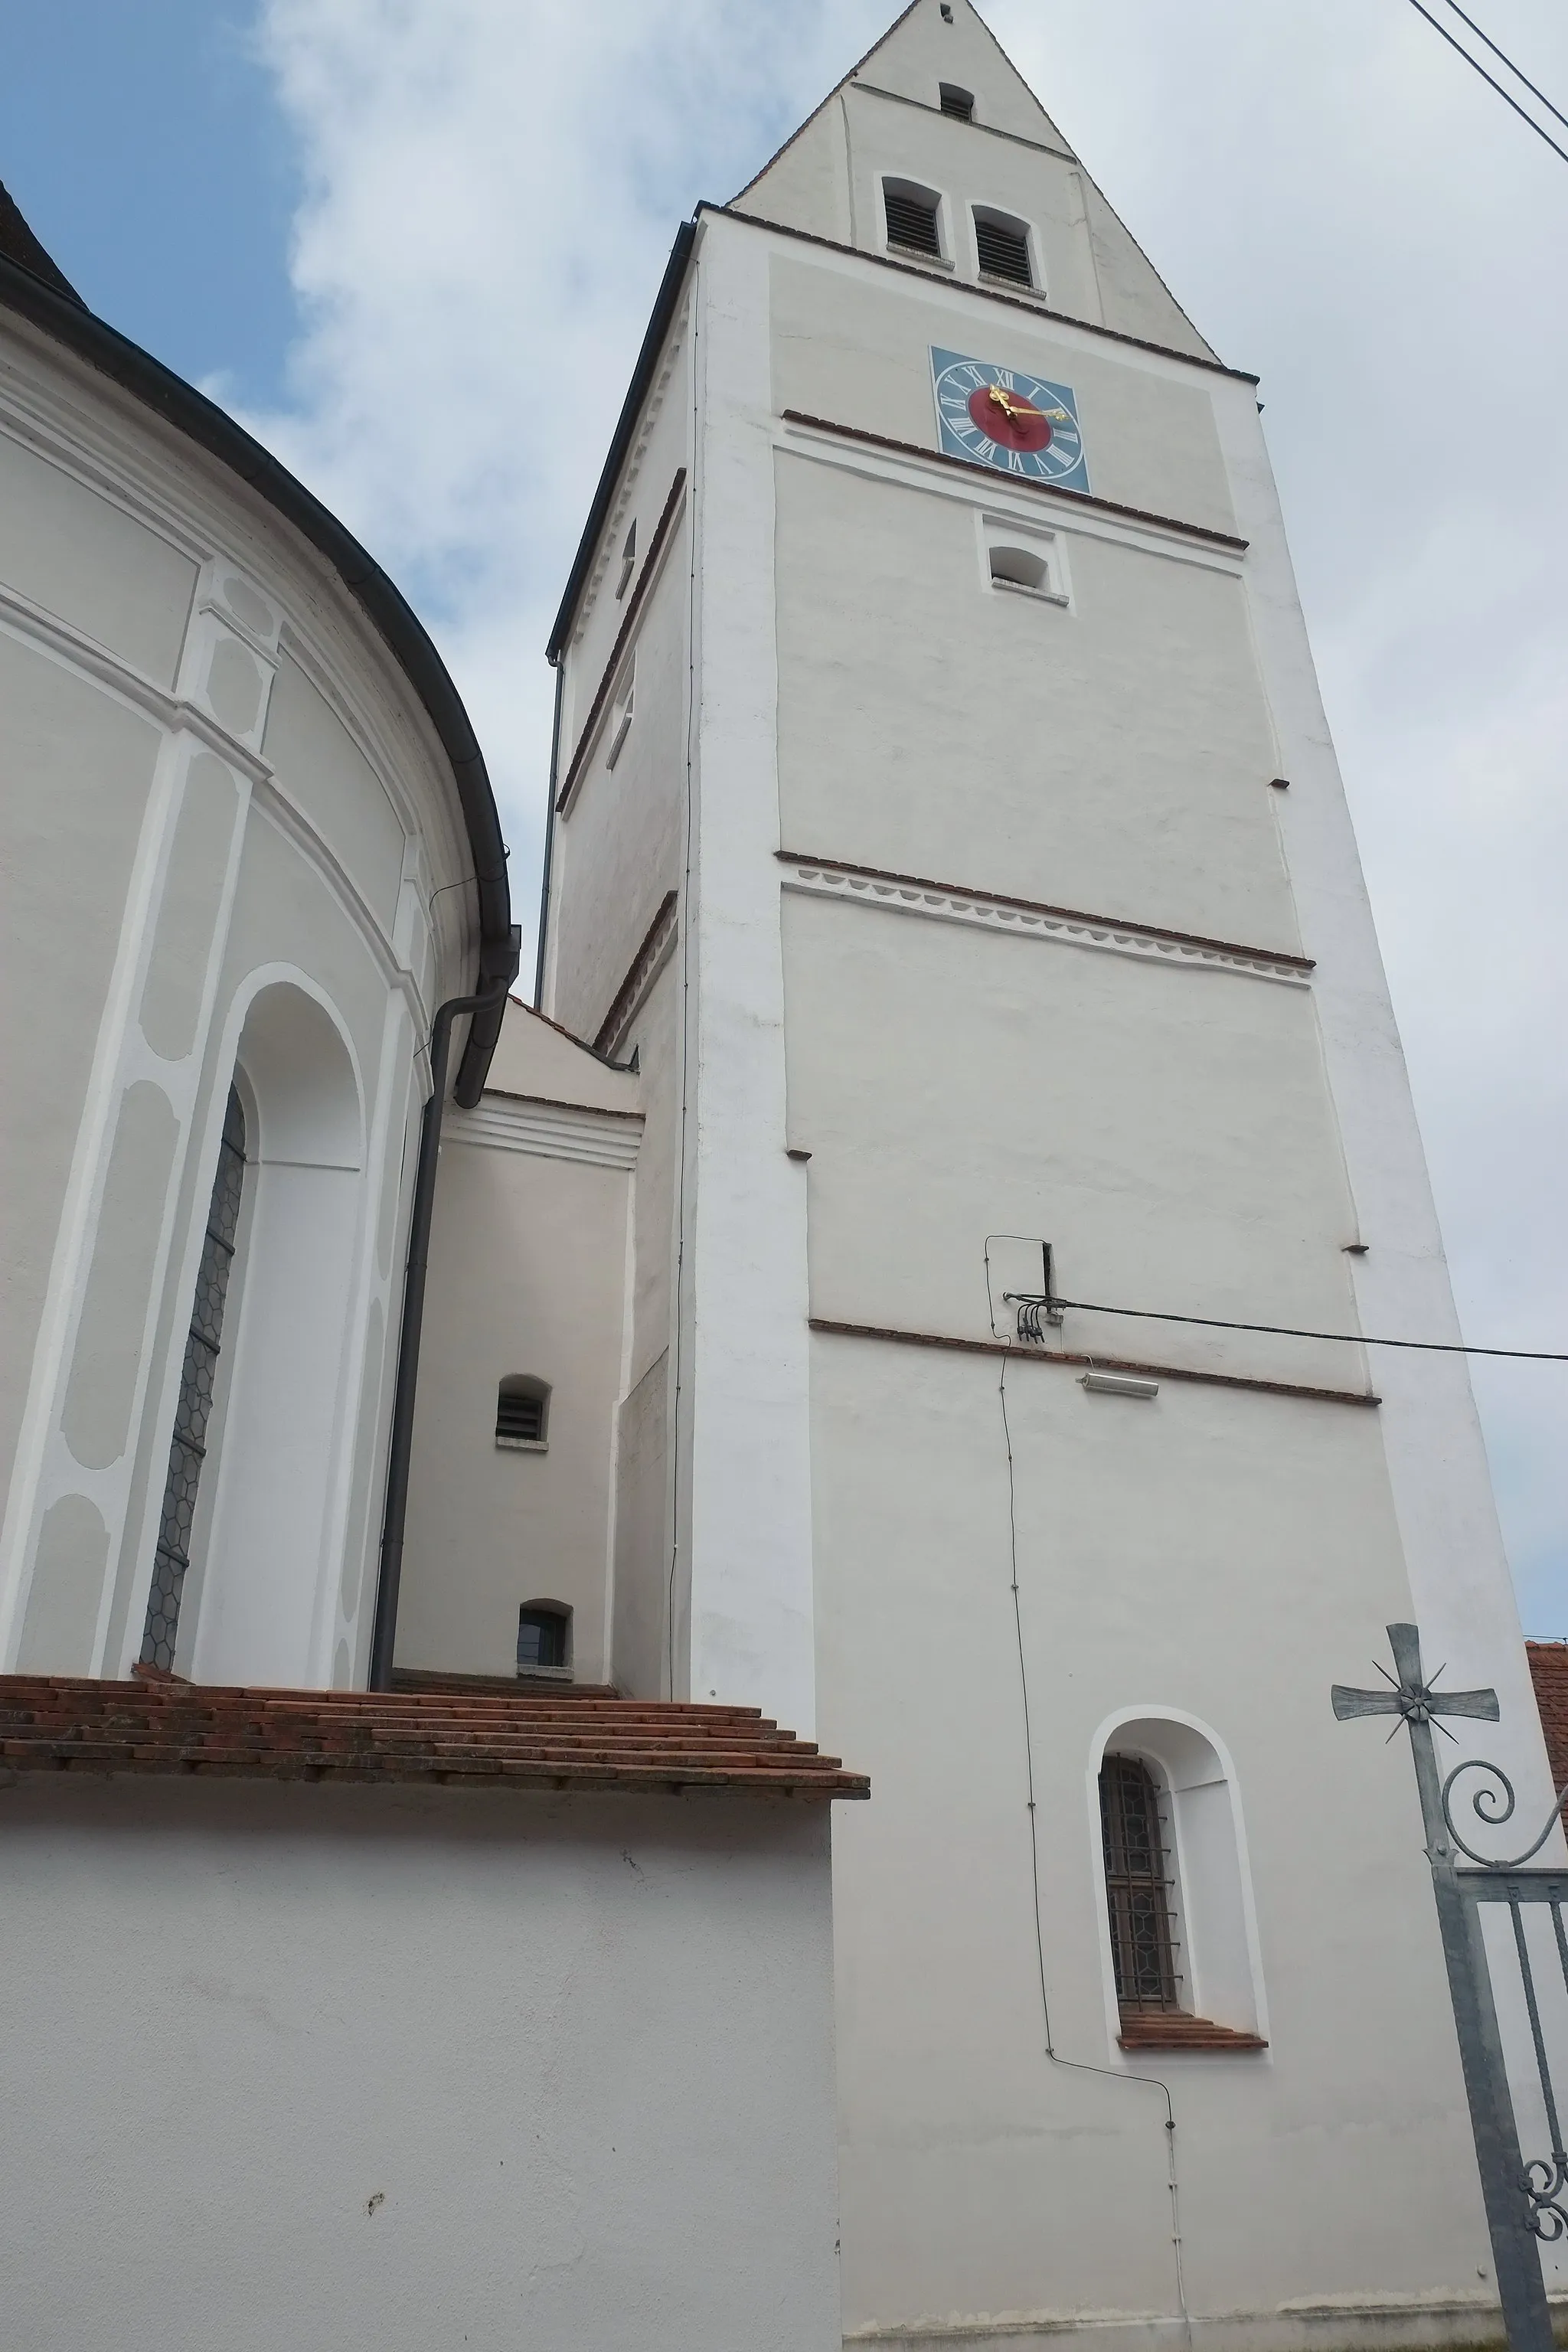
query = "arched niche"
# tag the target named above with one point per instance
(274, 1533)
(1212, 1913)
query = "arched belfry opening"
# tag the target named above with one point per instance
(268, 1520)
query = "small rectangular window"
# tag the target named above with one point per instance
(912, 220)
(1003, 250)
(541, 1640)
(628, 560)
(959, 103)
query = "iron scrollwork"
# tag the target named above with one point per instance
(1493, 1804)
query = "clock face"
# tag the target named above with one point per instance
(1004, 417)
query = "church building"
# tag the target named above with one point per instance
(901, 1280)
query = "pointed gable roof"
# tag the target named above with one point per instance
(920, 50)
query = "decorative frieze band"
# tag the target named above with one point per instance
(549, 1131)
(947, 902)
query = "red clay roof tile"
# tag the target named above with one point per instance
(55, 1723)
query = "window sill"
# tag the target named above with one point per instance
(914, 253)
(1018, 588)
(1174, 2029)
(522, 1445)
(1010, 285)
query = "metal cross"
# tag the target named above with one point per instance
(1411, 1698)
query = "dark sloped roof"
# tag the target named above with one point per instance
(19, 243)
(59, 1723)
(32, 286)
(1549, 1673)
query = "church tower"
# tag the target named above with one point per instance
(945, 821)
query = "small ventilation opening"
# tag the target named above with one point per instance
(522, 1411)
(912, 218)
(1004, 249)
(543, 1638)
(628, 560)
(1016, 567)
(959, 103)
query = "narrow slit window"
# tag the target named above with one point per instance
(543, 1638)
(911, 217)
(628, 562)
(204, 1341)
(1137, 1887)
(959, 103)
(621, 715)
(1003, 246)
(522, 1412)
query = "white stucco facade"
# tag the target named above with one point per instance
(406, 2069)
(988, 923)
(228, 819)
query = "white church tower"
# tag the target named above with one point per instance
(945, 820)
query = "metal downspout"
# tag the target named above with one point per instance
(488, 998)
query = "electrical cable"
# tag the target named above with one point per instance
(1075, 2065)
(1290, 1330)
(1476, 67)
(1509, 62)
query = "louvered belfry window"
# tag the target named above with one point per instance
(959, 103)
(912, 221)
(187, 1451)
(520, 1413)
(1004, 251)
(1137, 1885)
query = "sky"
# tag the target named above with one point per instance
(413, 244)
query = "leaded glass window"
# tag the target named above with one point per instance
(187, 1449)
(1137, 1885)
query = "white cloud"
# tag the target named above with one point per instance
(492, 186)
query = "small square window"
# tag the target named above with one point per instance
(959, 103)
(1023, 562)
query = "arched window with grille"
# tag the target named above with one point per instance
(1137, 1887)
(1183, 1945)
(199, 1381)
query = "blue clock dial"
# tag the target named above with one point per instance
(1001, 416)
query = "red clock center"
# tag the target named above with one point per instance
(1008, 418)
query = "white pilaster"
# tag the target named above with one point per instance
(745, 1438)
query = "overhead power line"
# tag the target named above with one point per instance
(1509, 62)
(1290, 1331)
(1476, 67)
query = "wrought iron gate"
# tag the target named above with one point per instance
(1524, 2200)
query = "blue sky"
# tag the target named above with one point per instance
(387, 231)
(145, 145)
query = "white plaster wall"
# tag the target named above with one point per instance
(853, 345)
(528, 1274)
(1216, 1556)
(618, 845)
(1111, 756)
(218, 781)
(1167, 1131)
(399, 2070)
